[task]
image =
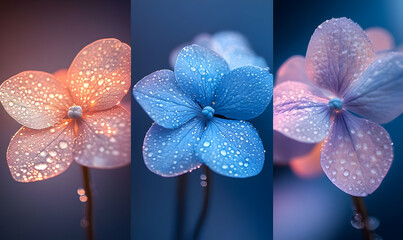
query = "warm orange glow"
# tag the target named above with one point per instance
(308, 166)
(381, 39)
(99, 136)
(83, 198)
(80, 191)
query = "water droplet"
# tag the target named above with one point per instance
(346, 173)
(223, 152)
(41, 166)
(52, 153)
(206, 144)
(63, 145)
(356, 220)
(372, 223)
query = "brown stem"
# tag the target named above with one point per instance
(88, 226)
(361, 208)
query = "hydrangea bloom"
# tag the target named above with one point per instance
(70, 115)
(232, 46)
(199, 110)
(345, 78)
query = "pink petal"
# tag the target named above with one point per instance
(100, 74)
(308, 166)
(103, 139)
(35, 99)
(357, 154)
(35, 155)
(301, 112)
(338, 52)
(381, 39)
(293, 70)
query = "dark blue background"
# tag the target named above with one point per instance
(295, 22)
(46, 35)
(240, 208)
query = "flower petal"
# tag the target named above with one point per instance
(283, 153)
(381, 39)
(35, 155)
(35, 99)
(231, 148)
(170, 152)
(293, 70)
(357, 154)
(378, 93)
(103, 139)
(301, 112)
(338, 52)
(244, 93)
(198, 70)
(164, 101)
(100, 74)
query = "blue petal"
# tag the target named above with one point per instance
(198, 70)
(164, 101)
(226, 39)
(170, 152)
(236, 50)
(377, 95)
(357, 154)
(244, 93)
(231, 148)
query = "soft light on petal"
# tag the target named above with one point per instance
(308, 166)
(377, 95)
(164, 101)
(283, 153)
(293, 70)
(244, 93)
(381, 39)
(357, 154)
(170, 152)
(99, 76)
(198, 70)
(338, 52)
(35, 155)
(35, 99)
(103, 139)
(231, 148)
(301, 112)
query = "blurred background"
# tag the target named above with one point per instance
(312, 207)
(46, 35)
(239, 208)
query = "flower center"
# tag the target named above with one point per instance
(335, 104)
(208, 112)
(75, 112)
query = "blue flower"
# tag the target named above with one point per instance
(344, 79)
(199, 112)
(232, 46)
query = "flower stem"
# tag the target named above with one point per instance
(88, 218)
(206, 195)
(361, 208)
(180, 207)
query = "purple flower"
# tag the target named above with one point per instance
(346, 80)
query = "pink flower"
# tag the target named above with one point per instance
(74, 116)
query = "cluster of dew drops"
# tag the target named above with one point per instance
(83, 198)
(370, 223)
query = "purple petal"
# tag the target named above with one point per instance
(338, 52)
(293, 70)
(170, 152)
(357, 154)
(164, 101)
(301, 112)
(377, 95)
(198, 70)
